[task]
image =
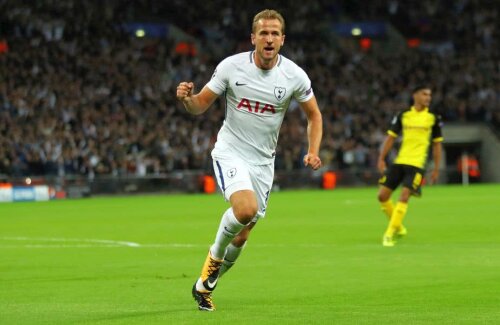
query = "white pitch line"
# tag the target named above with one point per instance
(60, 246)
(96, 245)
(105, 243)
(77, 240)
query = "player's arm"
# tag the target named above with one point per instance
(386, 147)
(314, 132)
(195, 104)
(393, 132)
(437, 150)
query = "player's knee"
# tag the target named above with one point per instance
(405, 195)
(245, 213)
(383, 197)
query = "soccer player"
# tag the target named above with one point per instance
(258, 87)
(418, 127)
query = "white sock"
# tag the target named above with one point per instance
(200, 286)
(232, 253)
(229, 227)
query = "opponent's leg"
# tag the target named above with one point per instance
(396, 223)
(386, 205)
(388, 208)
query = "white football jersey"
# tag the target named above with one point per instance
(256, 103)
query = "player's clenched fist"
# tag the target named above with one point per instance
(312, 160)
(184, 90)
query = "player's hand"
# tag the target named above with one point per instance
(381, 166)
(184, 91)
(434, 176)
(312, 160)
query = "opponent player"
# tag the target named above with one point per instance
(258, 87)
(418, 127)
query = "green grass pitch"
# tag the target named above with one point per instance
(316, 258)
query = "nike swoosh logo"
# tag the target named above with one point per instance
(240, 84)
(211, 285)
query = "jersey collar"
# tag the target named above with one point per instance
(280, 58)
(413, 109)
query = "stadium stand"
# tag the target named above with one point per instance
(79, 95)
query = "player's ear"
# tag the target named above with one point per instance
(252, 38)
(283, 40)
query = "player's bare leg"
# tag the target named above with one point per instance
(386, 205)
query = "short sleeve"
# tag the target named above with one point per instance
(304, 91)
(437, 133)
(220, 78)
(396, 125)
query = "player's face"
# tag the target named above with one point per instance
(268, 40)
(422, 98)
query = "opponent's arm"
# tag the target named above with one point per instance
(314, 132)
(195, 104)
(386, 147)
(437, 150)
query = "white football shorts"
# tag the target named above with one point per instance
(234, 174)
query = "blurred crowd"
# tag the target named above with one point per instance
(80, 95)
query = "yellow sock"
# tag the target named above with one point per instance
(397, 218)
(387, 207)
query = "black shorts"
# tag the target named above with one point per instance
(410, 176)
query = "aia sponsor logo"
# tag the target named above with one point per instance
(255, 107)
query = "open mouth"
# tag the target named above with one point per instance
(269, 49)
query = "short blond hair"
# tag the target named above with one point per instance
(268, 14)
